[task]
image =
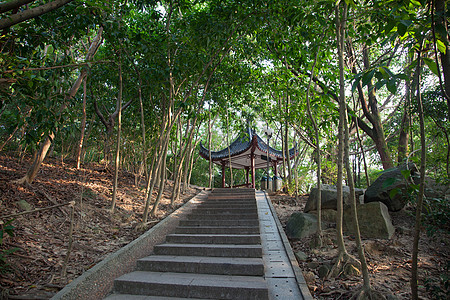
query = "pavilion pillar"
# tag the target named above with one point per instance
(246, 177)
(275, 169)
(252, 166)
(223, 174)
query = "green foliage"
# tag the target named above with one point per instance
(6, 228)
(436, 215)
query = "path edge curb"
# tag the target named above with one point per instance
(302, 285)
(97, 282)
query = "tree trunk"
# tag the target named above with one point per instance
(229, 154)
(286, 141)
(378, 131)
(13, 5)
(360, 249)
(420, 196)
(83, 127)
(162, 176)
(119, 131)
(371, 112)
(154, 170)
(340, 24)
(209, 151)
(31, 13)
(445, 57)
(318, 160)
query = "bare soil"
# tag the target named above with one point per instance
(41, 239)
(389, 261)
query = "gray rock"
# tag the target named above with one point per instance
(374, 221)
(24, 205)
(323, 271)
(312, 264)
(380, 190)
(301, 225)
(301, 256)
(329, 197)
(328, 215)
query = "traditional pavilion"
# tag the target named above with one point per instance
(248, 152)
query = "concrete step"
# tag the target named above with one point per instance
(238, 199)
(197, 216)
(225, 223)
(208, 250)
(218, 229)
(232, 191)
(188, 285)
(236, 239)
(224, 211)
(227, 205)
(202, 265)
(143, 297)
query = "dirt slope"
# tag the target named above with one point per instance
(41, 238)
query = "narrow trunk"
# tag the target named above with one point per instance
(162, 175)
(141, 108)
(154, 170)
(119, 131)
(363, 152)
(229, 153)
(445, 56)
(420, 196)
(318, 159)
(404, 127)
(38, 159)
(286, 141)
(83, 127)
(360, 249)
(340, 163)
(209, 151)
(187, 163)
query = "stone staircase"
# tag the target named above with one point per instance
(215, 253)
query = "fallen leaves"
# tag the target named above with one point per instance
(42, 237)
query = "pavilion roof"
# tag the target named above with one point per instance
(240, 150)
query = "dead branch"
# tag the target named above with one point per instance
(37, 210)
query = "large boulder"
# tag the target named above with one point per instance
(301, 225)
(373, 218)
(381, 189)
(327, 215)
(329, 197)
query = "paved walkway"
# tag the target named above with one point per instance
(230, 247)
(282, 273)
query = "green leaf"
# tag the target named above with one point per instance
(389, 26)
(441, 46)
(401, 29)
(392, 85)
(406, 173)
(431, 65)
(367, 77)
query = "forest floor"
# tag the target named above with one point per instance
(389, 261)
(41, 238)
